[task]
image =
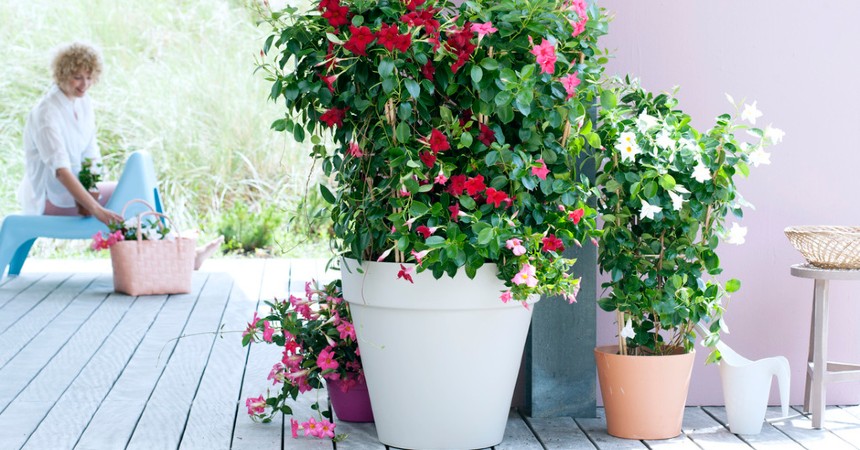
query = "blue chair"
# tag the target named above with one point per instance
(19, 232)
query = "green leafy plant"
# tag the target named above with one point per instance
(90, 174)
(666, 190)
(247, 231)
(456, 129)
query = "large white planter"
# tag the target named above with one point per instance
(441, 357)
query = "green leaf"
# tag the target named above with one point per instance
(477, 74)
(413, 87)
(733, 285)
(402, 132)
(446, 114)
(327, 195)
(333, 39)
(418, 209)
(503, 98)
(608, 100)
(465, 140)
(435, 241)
(489, 64)
(386, 67)
(667, 182)
(404, 110)
(486, 235)
(388, 84)
(505, 113)
(467, 202)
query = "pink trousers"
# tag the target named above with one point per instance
(106, 188)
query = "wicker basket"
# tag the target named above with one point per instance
(827, 247)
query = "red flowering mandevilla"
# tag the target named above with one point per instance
(470, 121)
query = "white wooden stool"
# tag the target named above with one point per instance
(820, 372)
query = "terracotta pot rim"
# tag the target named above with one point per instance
(611, 350)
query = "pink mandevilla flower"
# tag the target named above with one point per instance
(545, 56)
(326, 429)
(346, 329)
(326, 360)
(570, 82)
(516, 246)
(251, 329)
(268, 331)
(294, 427)
(311, 427)
(542, 171)
(483, 29)
(420, 255)
(406, 273)
(354, 150)
(255, 406)
(526, 276)
(506, 296)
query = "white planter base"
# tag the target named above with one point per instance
(441, 357)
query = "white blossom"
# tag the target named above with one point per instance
(627, 331)
(701, 172)
(628, 147)
(750, 113)
(680, 189)
(759, 156)
(677, 201)
(773, 135)
(737, 234)
(664, 140)
(648, 210)
(646, 122)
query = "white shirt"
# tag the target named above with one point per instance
(59, 132)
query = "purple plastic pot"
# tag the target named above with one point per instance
(352, 405)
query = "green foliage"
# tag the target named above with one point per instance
(90, 174)
(248, 231)
(410, 125)
(665, 191)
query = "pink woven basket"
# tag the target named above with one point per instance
(157, 267)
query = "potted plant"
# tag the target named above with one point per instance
(666, 190)
(320, 348)
(455, 132)
(89, 176)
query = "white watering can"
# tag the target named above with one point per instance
(746, 386)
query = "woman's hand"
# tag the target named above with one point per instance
(83, 197)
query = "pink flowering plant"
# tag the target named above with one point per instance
(319, 342)
(150, 229)
(449, 135)
(666, 191)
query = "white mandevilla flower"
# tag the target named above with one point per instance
(701, 172)
(759, 156)
(677, 201)
(627, 331)
(150, 233)
(737, 234)
(130, 223)
(645, 122)
(773, 135)
(627, 146)
(750, 113)
(681, 189)
(648, 210)
(664, 139)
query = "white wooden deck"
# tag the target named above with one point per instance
(82, 367)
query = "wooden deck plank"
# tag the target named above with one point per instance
(559, 433)
(213, 413)
(248, 434)
(518, 435)
(18, 303)
(114, 422)
(10, 287)
(24, 414)
(163, 420)
(302, 412)
(843, 424)
(800, 430)
(68, 418)
(25, 365)
(595, 429)
(360, 436)
(707, 432)
(770, 436)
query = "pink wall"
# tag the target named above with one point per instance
(800, 62)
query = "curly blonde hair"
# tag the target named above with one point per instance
(72, 58)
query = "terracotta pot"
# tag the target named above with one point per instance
(644, 396)
(352, 405)
(84, 211)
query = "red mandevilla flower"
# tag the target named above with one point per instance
(390, 38)
(496, 198)
(424, 230)
(438, 141)
(576, 215)
(336, 14)
(552, 244)
(458, 185)
(360, 38)
(487, 136)
(475, 185)
(333, 117)
(427, 158)
(428, 70)
(460, 43)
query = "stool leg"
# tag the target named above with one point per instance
(806, 390)
(820, 353)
